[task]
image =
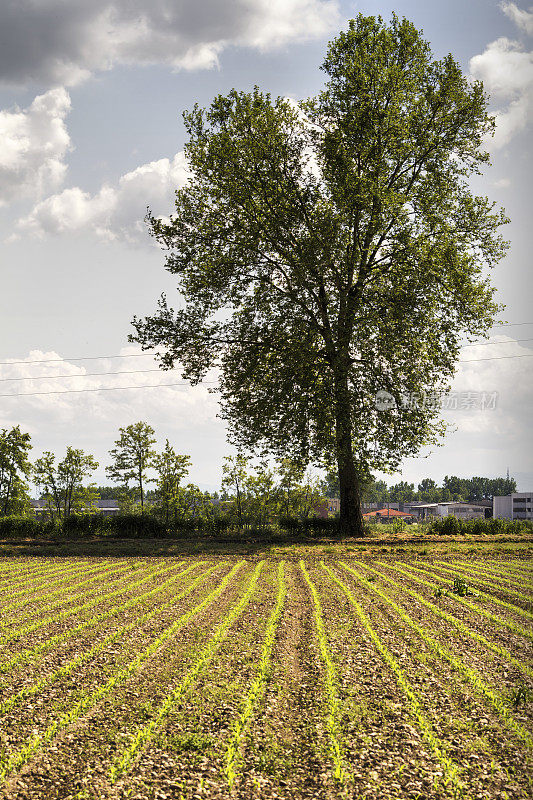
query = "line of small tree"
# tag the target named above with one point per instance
(251, 497)
(452, 488)
(151, 482)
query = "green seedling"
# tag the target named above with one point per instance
(521, 695)
(461, 588)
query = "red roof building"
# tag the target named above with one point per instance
(387, 513)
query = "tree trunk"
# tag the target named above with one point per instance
(351, 520)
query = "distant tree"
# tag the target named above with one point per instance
(373, 491)
(85, 499)
(310, 496)
(234, 475)
(170, 467)
(75, 467)
(262, 496)
(108, 492)
(61, 485)
(497, 487)
(330, 484)
(133, 456)
(15, 469)
(428, 490)
(291, 474)
(402, 491)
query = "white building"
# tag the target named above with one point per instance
(518, 505)
(453, 508)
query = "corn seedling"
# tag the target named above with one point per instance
(484, 573)
(486, 582)
(473, 677)
(27, 654)
(509, 624)
(144, 733)
(485, 595)
(451, 771)
(332, 695)
(24, 630)
(17, 759)
(495, 648)
(64, 592)
(259, 683)
(98, 647)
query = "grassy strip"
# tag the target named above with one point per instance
(81, 658)
(471, 675)
(482, 580)
(496, 600)
(330, 683)
(14, 761)
(63, 592)
(144, 733)
(18, 633)
(495, 648)
(23, 656)
(450, 770)
(257, 688)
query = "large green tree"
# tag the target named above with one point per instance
(330, 250)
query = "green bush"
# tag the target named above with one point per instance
(290, 524)
(478, 527)
(26, 528)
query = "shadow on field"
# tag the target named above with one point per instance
(286, 547)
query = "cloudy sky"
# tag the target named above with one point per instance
(91, 95)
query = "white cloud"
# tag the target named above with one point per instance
(34, 143)
(115, 212)
(43, 376)
(502, 183)
(54, 41)
(504, 367)
(485, 442)
(506, 69)
(523, 19)
(90, 419)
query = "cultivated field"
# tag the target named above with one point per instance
(266, 678)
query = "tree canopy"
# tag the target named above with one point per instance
(132, 456)
(331, 249)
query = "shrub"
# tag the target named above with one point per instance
(290, 524)
(317, 526)
(26, 528)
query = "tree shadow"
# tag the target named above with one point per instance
(290, 547)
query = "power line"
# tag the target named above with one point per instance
(101, 389)
(86, 375)
(80, 358)
(163, 385)
(510, 324)
(493, 358)
(139, 355)
(484, 344)
(143, 371)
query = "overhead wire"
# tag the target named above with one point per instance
(138, 355)
(102, 389)
(163, 385)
